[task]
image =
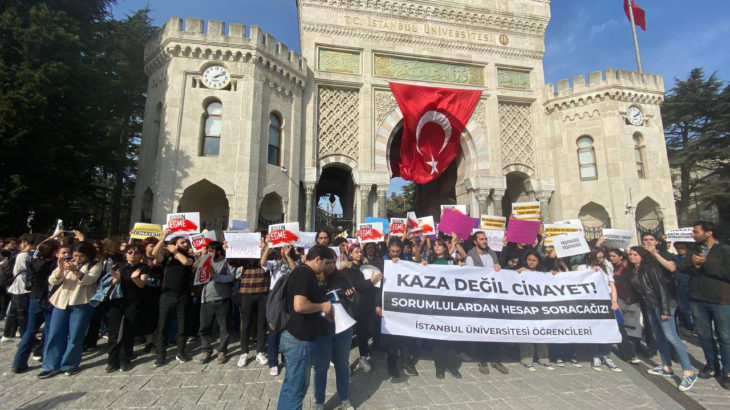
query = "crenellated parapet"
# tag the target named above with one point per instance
(195, 39)
(621, 85)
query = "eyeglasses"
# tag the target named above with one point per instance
(132, 252)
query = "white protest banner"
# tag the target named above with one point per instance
(183, 224)
(526, 210)
(493, 223)
(282, 234)
(204, 271)
(397, 226)
(306, 240)
(370, 232)
(243, 245)
(456, 208)
(426, 225)
(412, 222)
(476, 304)
(617, 238)
(570, 245)
(144, 230)
(494, 238)
(200, 241)
(680, 235)
(552, 230)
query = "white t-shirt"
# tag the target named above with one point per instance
(18, 286)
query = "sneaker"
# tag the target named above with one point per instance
(409, 368)
(222, 358)
(548, 366)
(531, 367)
(243, 360)
(726, 382)
(159, 363)
(687, 382)
(206, 357)
(262, 359)
(71, 372)
(596, 364)
(500, 367)
(635, 360)
(149, 347)
(46, 374)
(181, 358)
(483, 367)
(111, 369)
(575, 363)
(365, 365)
(274, 371)
(659, 371)
(346, 405)
(19, 370)
(7, 339)
(126, 366)
(37, 357)
(560, 363)
(611, 365)
(707, 372)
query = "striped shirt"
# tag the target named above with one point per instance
(254, 280)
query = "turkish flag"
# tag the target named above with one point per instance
(433, 120)
(639, 17)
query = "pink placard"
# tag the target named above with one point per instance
(521, 231)
(458, 223)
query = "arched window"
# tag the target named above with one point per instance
(639, 155)
(274, 153)
(587, 159)
(212, 129)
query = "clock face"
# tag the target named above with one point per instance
(216, 77)
(635, 116)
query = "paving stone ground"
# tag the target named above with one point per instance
(213, 386)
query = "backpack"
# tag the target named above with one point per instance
(6, 272)
(277, 314)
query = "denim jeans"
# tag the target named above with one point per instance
(336, 347)
(272, 347)
(39, 311)
(298, 355)
(602, 350)
(683, 310)
(665, 334)
(704, 314)
(66, 334)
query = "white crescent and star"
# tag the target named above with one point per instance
(438, 119)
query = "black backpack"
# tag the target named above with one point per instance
(6, 272)
(277, 314)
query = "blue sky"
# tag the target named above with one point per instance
(583, 35)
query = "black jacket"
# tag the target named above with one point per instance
(711, 281)
(653, 287)
(40, 270)
(364, 303)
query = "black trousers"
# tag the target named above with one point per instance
(249, 303)
(171, 303)
(17, 317)
(363, 329)
(92, 334)
(122, 329)
(444, 354)
(210, 313)
(490, 351)
(399, 345)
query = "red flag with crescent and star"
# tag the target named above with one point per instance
(433, 120)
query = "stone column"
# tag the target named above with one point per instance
(382, 192)
(309, 199)
(483, 199)
(364, 199)
(497, 195)
(544, 198)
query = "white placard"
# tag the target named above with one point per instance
(183, 224)
(426, 225)
(200, 241)
(444, 302)
(243, 245)
(456, 208)
(493, 223)
(204, 271)
(368, 271)
(570, 245)
(306, 240)
(494, 239)
(283, 234)
(680, 235)
(238, 225)
(526, 210)
(370, 232)
(412, 222)
(397, 226)
(617, 238)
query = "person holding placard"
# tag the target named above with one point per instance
(215, 303)
(602, 351)
(683, 310)
(652, 285)
(255, 284)
(528, 350)
(560, 352)
(365, 303)
(628, 299)
(152, 292)
(177, 282)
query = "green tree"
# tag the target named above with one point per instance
(399, 204)
(695, 115)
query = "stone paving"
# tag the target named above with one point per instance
(213, 386)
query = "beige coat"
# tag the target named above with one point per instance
(73, 291)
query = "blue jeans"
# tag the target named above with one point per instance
(39, 311)
(665, 334)
(601, 350)
(66, 335)
(272, 347)
(298, 355)
(337, 348)
(683, 300)
(704, 314)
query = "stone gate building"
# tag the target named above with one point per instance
(239, 126)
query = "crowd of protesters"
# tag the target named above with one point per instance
(142, 292)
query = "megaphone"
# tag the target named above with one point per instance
(343, 320)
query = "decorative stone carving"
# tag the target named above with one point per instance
(422, 70)
(513, 79)
(385, 103)
(515, 123)
(339, 122)
(339, 61)
(480, 114)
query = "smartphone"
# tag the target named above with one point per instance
(69, 257)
